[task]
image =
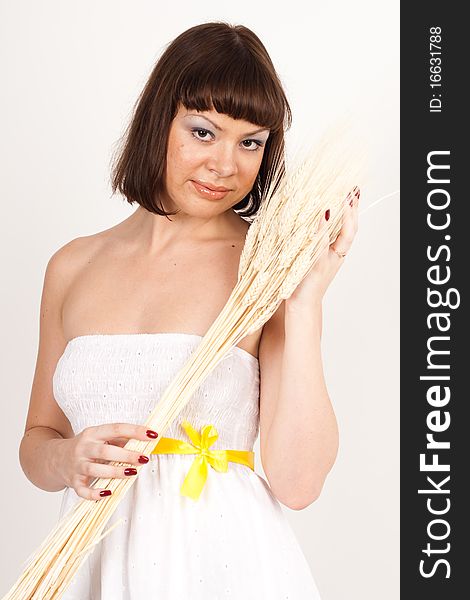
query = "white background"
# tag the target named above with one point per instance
(71, 73)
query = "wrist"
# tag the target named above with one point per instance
(55, 450)
(295, 306)
(306, 317)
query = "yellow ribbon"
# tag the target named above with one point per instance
(218, 459)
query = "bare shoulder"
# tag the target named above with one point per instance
(73, 255)
(67, 262)
(59, 273)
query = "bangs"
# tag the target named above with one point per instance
(240, 88)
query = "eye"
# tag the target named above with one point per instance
(199, 130)
(258, 144)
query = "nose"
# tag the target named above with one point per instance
(222, 160)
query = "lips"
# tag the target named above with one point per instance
(209, 193)
(211, 187)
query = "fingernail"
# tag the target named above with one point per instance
(143, 459)
(151, 434)
(105, 493)
(357, 193)
(130, 471)
(327, 214)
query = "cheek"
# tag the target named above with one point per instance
(182, 157)
(250, 169)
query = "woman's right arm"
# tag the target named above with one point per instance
(51, 456)
(46, 425)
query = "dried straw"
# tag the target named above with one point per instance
(280, 248)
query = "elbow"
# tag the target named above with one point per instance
(304, 501)
(301, 501)
(21, 457)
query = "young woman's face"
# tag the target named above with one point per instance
(208, 150)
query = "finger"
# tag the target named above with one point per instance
(93, 469)
(125, 430)
(82, 486)
(355, 209)
(322, 237)
(109, 452)
(93, 494)
(350, 218)
(343, 242)
(322, 223)
(345, 237)
(352, 195)
(350, 205)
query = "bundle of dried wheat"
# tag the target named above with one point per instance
(280, 248)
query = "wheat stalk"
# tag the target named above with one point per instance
(280, 248)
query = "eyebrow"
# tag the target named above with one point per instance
(220, 128)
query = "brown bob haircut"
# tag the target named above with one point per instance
(210, 66)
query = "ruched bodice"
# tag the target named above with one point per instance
(104, 378)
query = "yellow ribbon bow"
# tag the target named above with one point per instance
(218, 459)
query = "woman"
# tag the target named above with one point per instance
(121, 313)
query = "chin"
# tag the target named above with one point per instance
(203, 209)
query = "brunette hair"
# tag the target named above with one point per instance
(210, 66)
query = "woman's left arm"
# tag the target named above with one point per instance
(298, 428)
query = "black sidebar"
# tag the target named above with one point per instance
(435, 268)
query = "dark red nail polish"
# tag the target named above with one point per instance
(151, 434)
(130, 471)
(327, 214)
(358, 193)
(105, 493)
(143, 459)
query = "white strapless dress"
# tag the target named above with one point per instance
(235, 540)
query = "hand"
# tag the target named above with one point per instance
(314, 285)
(81, 459)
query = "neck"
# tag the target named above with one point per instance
(156, 231)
